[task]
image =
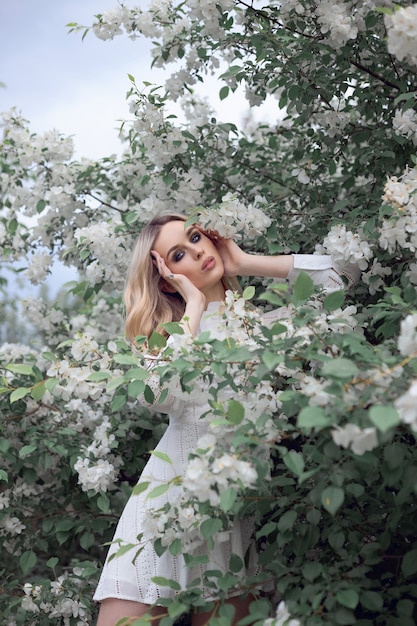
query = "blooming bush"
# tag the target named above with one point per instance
(313, 419)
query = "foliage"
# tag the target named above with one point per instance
(329, 391)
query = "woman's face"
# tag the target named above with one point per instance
(189, 252)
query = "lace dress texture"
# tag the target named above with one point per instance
(127, 578)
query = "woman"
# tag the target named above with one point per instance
(180, 273)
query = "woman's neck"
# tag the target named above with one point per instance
(216, 293)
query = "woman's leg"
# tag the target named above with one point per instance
(113, 609)
(241, 604)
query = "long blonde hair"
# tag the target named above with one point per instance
(147, 305)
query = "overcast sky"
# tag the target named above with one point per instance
(56, 80)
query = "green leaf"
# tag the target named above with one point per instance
(235, 411)
(166, 582)
(118, 401)
(27, 561)
(332, 499)
(137, 373)
(38, 391)
(210, 527)
(313, 417)
(125, 359)
(409, 563)
(114, 383)
(303, 288)
(103, 503)
(20, 368)
(176, 609)
(50, 384)
(19, 393)
(339, 368)
(175, 547)
(52, 562)
(4, 476)
(26, 450)
(122, 550)
(135, 388)
(287, 520)
(384, 417)
(158, 491)
(98, 376)
(227, 499)
(236, 564)
(334, 300)
(295, 462)
(224, 92)
(161, 455)
(156, 340)
(348, 598)
(232, 70)
(248, 293)
(140, 488)
(87, 540)
(271, 359)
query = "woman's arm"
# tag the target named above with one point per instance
(195, 301)
(321, 268)
(240, 263)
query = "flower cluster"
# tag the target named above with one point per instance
(336, 22)
(402, 33)
(231, 218)
(400, 230)
(357, 439)
(208, 474)
(405, 123)
(346, 246)
(178, 519)
(60, 600)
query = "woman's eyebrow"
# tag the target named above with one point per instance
(177, 245)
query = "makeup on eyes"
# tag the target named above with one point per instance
(193, 235)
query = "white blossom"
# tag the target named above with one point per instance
(11, 525)
(282, 617)
(402, 33)
(231, 218)
(357, 439)
(336, 22)
(346, 246)
(407, 339)
(39, 267)
(405, 123)
(406, 406)
(98, 476)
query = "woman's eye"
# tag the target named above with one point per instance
(178, 256)
(195, 237)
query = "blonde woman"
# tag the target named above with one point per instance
(180, 272)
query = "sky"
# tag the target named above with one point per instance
(59, 81)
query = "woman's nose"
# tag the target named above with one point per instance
(198, 253)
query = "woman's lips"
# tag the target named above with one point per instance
(208, 263)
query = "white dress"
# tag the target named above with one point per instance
(124, 579)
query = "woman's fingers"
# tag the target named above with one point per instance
(161, 266)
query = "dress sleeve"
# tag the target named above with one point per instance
(324, 271)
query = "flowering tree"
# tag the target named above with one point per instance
(318, 441)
